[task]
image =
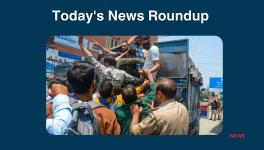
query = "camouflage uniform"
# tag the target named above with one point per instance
(116, 76)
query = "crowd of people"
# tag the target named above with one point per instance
(117, 94)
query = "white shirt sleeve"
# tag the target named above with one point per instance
(62, 115)
(154, 53)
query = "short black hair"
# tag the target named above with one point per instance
(80, 77)
(57, 80)
(106, 89)
(110, 60)
(167, 87)
(129, 94)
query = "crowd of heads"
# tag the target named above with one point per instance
(81, 78)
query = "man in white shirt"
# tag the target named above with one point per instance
(152, 62)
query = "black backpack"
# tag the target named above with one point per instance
(215, 105)
(83, 119)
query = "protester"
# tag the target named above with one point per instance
(58, 110)
(117, 100)
(123, 47)
(105, 95)
(170, 118)
(118, 77)
(130, 58)
(130, 96)
(81, 77)
(129, 63)
(135, 42)
(124, 51)
(152, 57)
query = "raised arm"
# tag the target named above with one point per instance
(146, 73)
(156, 66)
(131, 39)
(121, 56)
(104, 49)
(151, 94)
(85, 51)
(99, 68)
(132, 79)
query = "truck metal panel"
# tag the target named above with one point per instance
(176, 65)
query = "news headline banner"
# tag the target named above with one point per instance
(114, 15)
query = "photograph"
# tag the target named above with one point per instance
(134, 85)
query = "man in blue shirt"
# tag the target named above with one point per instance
(135, 42)
(61, 110)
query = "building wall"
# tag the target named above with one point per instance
(100, 39)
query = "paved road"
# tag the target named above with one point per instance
(209, 127)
